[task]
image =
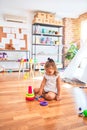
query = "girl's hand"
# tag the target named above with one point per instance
(40, 92)
(58, 98)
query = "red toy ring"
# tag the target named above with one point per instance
(41, 99)
(43, 103)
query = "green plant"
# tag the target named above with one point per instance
(71, 52)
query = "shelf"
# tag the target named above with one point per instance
(47, 38)
(48, 54)
(8, 61)
(9, 58)
(48, 25)
(15, 70)
(50, 35)
(15, 50)
(43, 44)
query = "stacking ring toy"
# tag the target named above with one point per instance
(41, 99)
(29, 95)
(29, 98)
(43, 103)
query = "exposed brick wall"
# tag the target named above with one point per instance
(83, 17)
(72, 29)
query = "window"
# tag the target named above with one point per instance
(84, 32)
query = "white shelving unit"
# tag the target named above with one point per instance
(12, 57)
(47, 41)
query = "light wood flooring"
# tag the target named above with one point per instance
(18, 114)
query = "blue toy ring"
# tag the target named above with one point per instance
(43, 103)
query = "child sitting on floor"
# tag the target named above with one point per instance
(50, 85)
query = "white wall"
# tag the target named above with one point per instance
(27, 25)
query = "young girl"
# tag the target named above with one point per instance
(50, 85)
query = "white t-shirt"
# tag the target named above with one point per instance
(51, 84)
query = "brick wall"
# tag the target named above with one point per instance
(83, 17)
(72, 29)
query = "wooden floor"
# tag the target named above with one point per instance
(18, 114)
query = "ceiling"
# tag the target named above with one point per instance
(62, 8)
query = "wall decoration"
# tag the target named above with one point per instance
(12, 38)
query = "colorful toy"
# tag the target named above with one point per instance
(10, 71)
(39, 98)
(31, 61)
(23, 60)
(30, 95)
(3, 56)
(26, 75)
(82, 113)
(85, 113)
(44, 103)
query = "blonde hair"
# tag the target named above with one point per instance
(50, 63)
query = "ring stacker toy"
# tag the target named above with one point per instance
(30, 95)
(44, 103)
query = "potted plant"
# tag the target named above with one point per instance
(71, 52)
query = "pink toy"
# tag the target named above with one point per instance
(30, 89)
(30, 95)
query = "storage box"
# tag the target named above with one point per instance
(50, 16)
(59, 22)
(46, 21)
(40, 15)
(52, 21)
(37, 20)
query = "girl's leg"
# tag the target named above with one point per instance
(50, 96)
(36, 90)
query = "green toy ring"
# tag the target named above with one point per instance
(29, 95)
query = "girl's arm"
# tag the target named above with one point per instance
(58, 88)
(42, 86)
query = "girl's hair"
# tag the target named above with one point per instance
(50, 62)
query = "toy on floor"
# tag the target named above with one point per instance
(10, 71)
(41, 100)
(44, 103)
(82, 113)
(30, 95)
(26, 75)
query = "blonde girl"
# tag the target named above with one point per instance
(50, 85)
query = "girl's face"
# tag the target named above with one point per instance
(50, 70)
